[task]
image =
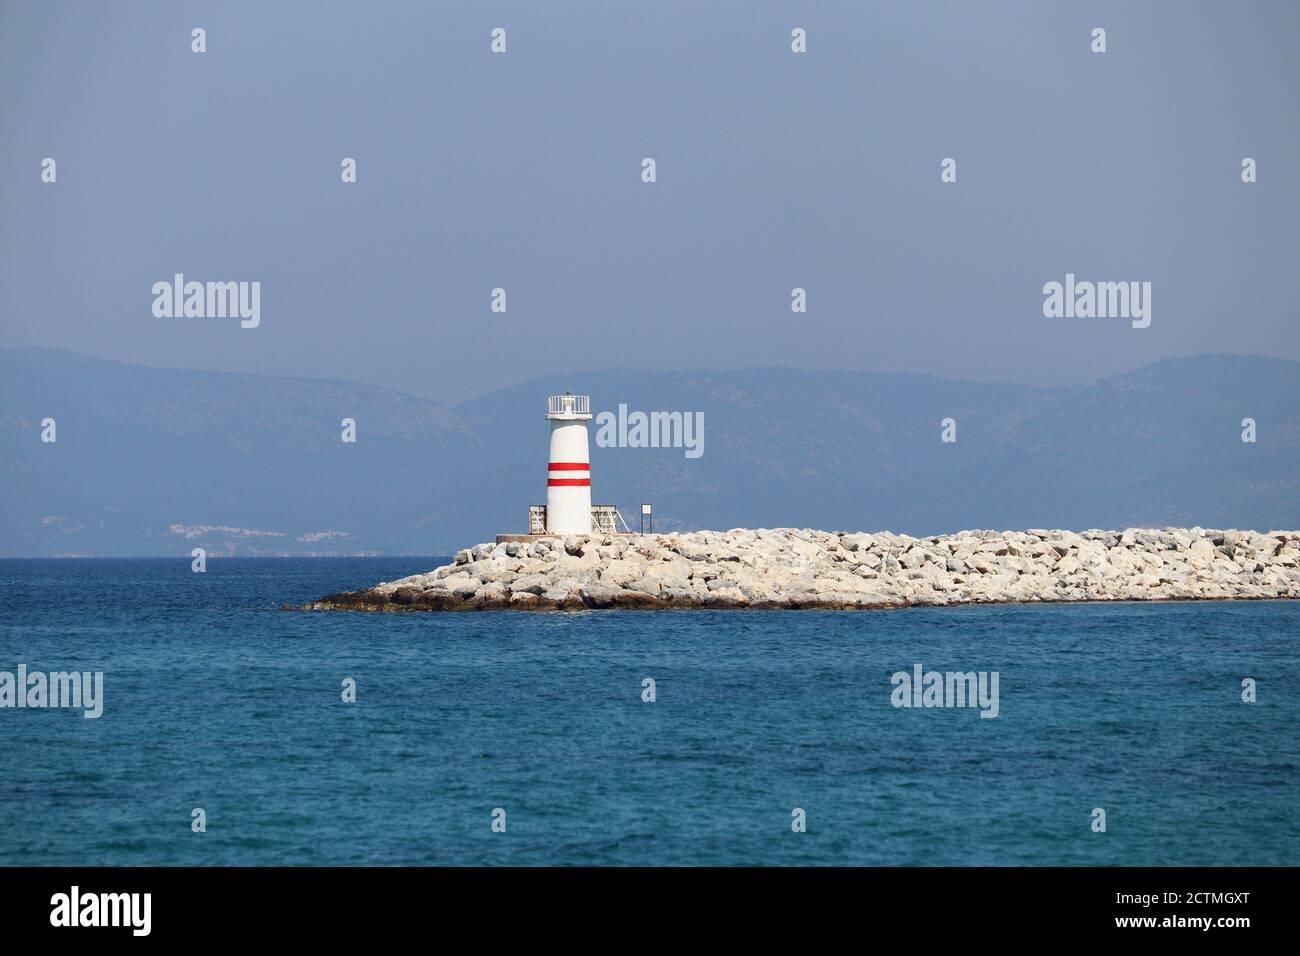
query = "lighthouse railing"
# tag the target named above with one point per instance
(577, 404)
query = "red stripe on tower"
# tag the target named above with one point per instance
(561, 482)
(569, 466)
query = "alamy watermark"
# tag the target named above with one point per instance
(37, 689)
(76, 908)
(1098, 300)
(208, 300)
(651, 430)
(922, 688)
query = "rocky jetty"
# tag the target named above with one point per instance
(787, 568)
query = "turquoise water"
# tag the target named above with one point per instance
(214, 698)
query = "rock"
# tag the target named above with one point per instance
(492, 595)
(807, 568)
(459, 584)
(406, 595)
(857, 542)
(533, 583)
(557, 594)
(598, 594)
(1067, 566)
(635, 599)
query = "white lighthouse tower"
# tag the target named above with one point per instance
(568, 479)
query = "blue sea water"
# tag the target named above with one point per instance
(215, 698)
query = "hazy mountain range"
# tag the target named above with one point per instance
(154, 461)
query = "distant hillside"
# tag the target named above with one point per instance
(153, 462)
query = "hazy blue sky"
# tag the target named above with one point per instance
(522, 170)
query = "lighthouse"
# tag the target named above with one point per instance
(568, 479)
(568, 509)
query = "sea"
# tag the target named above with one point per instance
(641, 738)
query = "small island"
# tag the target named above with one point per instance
(787, 568)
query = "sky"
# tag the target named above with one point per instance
(523, 171)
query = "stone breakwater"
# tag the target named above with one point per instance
(786, 568)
